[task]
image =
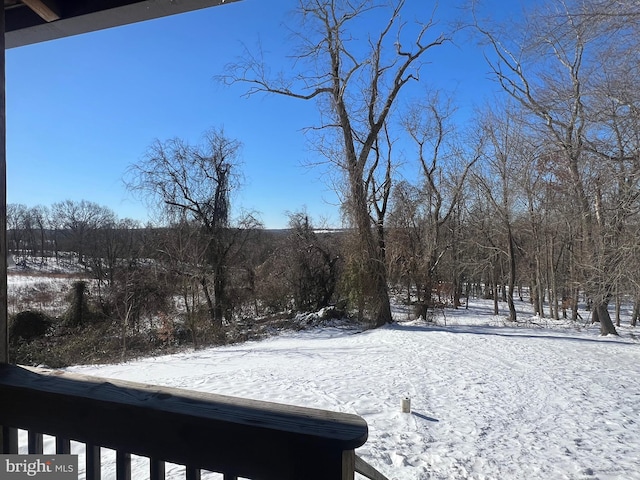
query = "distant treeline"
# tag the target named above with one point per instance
(178, 271)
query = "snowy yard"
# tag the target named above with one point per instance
(488, 401)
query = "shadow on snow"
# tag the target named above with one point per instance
(500, 332)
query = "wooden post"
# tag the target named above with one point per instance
(192, 473)
(63, 445)
(8, 440)
(348, 465)
(157, 470)
(123, 465)
(35, 443)
(4, 318)
(93, 462)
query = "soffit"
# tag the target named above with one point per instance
(34, 21)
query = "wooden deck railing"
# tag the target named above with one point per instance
(235, 437)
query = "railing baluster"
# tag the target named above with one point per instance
(35, 444)
(156, 469)
(193, 473)
(123, 465)
(93, 466)
(348, 465)
(366, 470)
(9, 442)
(63, 446)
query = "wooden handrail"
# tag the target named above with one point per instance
(366, 470)
(238, 437)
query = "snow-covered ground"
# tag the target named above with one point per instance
(488, 401)
(544, 399)
(41, 284)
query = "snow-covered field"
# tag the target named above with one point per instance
(488, 401)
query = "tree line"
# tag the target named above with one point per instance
(546, 176)
(188, 275)
(535, 198)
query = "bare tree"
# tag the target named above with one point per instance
(547, 71)
(356, 84)
(16, 215)
(40, 215)
(78, 220)
(312, 264)
(444, 166)
(192, 186)
(115, 247)
(406, 243)
(502, 162)
(27, 229)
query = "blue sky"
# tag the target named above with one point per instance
(80, 110)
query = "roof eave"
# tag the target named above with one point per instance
(25, 27)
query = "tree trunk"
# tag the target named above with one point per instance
(553, 285)
(379, 305)
(221, 306)
(601, 314)
(457, 291)
(574, 304)
(77, 310)
(216, 318)
(512, 276)
(539, 287)
(496, 310)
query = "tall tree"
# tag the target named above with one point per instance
(16, 215)
(313, 264)
(40, 215)
(548, 71)
(496, 179)
(444, 166)
(356, 84)
(192, 186)
(79, 220)
(407, 245)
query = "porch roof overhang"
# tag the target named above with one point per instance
(34, 21)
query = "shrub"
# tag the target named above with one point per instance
(78, 307)
(28, 325)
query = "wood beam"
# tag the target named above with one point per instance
(47, 10)
(24, 26)
(4, 317)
